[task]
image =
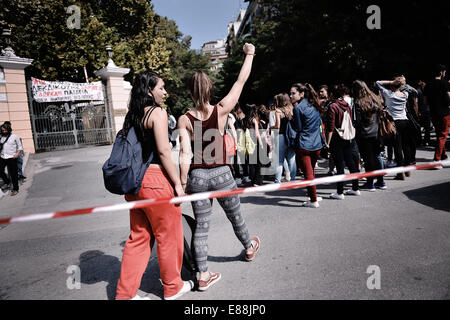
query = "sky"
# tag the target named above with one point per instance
(204, 20)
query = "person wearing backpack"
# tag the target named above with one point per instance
(340, 138)
(203, 166)
(284, 114)
(161, 223)
(309, 141)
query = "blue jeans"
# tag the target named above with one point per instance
(288, 154)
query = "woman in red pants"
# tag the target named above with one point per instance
(163, 222)
(309, 141)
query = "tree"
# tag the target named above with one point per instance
(325, 42)
(140, 38)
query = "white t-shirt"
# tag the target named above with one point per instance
(11, 146)
(272, 118)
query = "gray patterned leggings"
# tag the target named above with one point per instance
(213, 179)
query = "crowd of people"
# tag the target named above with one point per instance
(354, 126)
(350, 126)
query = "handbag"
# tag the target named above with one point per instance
(228, 140)
(386, 124)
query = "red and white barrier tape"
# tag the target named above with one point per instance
(224, 193)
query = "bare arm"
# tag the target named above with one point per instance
(185, 149)
(159, 122)
(258, 136)
(227, 104)
(277, 120)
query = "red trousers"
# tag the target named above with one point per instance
(442, 125)
(307, 161)
(161, 223)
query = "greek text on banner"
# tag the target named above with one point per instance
(53, 91)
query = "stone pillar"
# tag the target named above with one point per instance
(117, 91)
(13, 96)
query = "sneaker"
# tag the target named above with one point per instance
(310, 204)
(246, 180)
(391, 164)
(187, 286)
(137, 297)
(5, 186)
(14, 192)
(255, 244)
(337, 196)
(205, 284)
(353, 192)
(381, 186)
(319, 199)
(369, 187)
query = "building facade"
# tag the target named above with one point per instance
(217, 52)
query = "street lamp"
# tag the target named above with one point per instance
(111, 63)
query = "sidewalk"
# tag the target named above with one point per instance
(60, 180)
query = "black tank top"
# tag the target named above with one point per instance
(148, 140)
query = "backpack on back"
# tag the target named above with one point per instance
(124, 170)
(346, 131)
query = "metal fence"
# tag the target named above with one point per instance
(67, 125)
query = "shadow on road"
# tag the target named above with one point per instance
(96, 267)
(435, 196)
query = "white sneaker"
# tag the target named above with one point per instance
(353, 192)
(187, 286)
(138, 297)
(337, 196)
(319, 199)
(310, 204)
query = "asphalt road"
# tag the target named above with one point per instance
(395, 242)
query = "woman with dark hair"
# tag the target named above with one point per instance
(309, 141)
(367, 106)
(341, 150)
(252, 122)
(162, 222)
(201, 134)
(284, 113)
(9, 155)
(395, 101)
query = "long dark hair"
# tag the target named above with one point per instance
(310, 94)
(141, 97)
(367, 99)
(251, 112)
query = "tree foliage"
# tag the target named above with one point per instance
(325, 42)
(140, 38)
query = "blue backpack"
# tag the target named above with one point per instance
(124, 170)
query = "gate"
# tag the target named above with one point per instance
(69, 124)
